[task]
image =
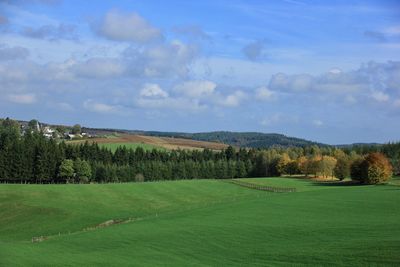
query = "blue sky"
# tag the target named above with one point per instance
(328, 71)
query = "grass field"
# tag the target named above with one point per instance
(114, 146)
(200, 223)
(153, 142)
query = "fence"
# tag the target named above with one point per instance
(263, 187)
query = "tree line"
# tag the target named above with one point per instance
(32, 158)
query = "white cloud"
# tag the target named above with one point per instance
(263, 93)
(99, 68)
(128, 27)
(335, 71)
(334, 81)
(169, 103)
(51, 32)
(232, 100)
(99, 107)
(152, 90)
(167, 59)
(196, 88)
(22, 98)
(380, 96)
(317, 123)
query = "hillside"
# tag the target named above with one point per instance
(199, 223)
(240, 139)
(151, 142)
(215, 140)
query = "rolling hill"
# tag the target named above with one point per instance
(199, 223)
(150, 142)
(239, 139)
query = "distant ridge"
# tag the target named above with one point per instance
(238, 139)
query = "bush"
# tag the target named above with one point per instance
(374, 169)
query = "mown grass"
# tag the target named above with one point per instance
(200, 223)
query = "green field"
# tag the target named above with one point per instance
(200, 223)
(114, 146)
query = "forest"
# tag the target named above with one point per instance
(33, 158)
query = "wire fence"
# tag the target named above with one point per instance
(263, 187)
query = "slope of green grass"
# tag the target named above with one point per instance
(114, 146)
(200, 223)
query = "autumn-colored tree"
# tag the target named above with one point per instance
(283, 164)
(303, 164)
(314, 164)
(326, 165)
(374, 169)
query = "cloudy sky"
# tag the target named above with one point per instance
(311, 69)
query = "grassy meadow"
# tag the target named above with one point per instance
(114, 146)
(200, 223)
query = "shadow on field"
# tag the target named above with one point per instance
(338, 183)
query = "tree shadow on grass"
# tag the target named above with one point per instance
(337, 183)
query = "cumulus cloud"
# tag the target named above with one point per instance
(232, 100)
(254, 50)
(380, 96)
(22, 98)
(97, 107)
(119, 26)
(333, 81)
(161, 60)
(299, 82)
(196, 88)
(99, 68)
(152, 90)
(169, 103)
(263, 93)
(51, 32)
(13, 53)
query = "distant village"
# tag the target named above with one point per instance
(55, 132)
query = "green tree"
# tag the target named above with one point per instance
(76, 129)
(33, 126)
(83, 171)
(342, 168)
(66, 170)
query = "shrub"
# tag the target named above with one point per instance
(374, 169)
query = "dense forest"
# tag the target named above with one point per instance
(33, 158)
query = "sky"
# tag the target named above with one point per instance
(327, 71)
